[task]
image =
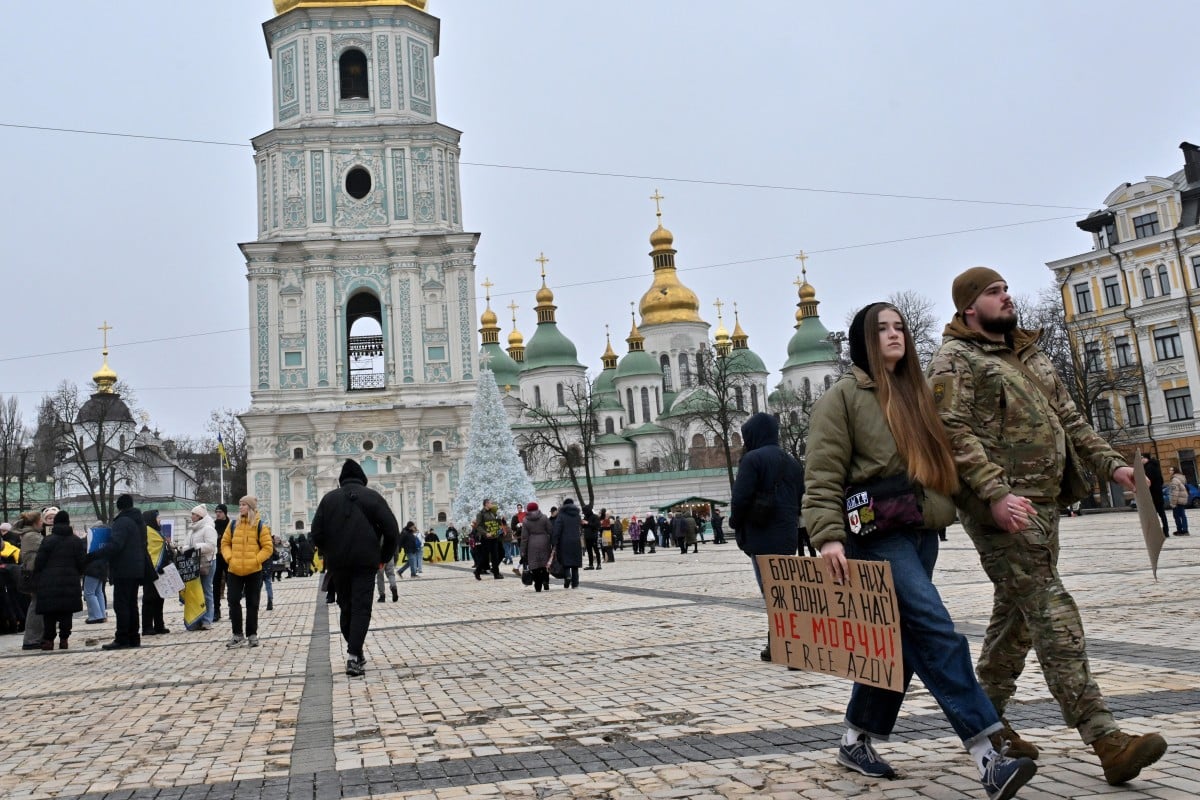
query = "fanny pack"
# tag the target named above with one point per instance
(886, 505)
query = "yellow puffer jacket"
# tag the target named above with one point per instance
(246, 545)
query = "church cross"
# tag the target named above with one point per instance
(487, 288)
(719, 305)
(105, 328)
(803, 267)
(513, 307)
(656, 197)
(541, 259)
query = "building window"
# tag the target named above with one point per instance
(1092, 360)
(1083, 298)
(685, 374)
(537, 397)
(352, 74)
(1196, 270)
(1108, 235)
(645, 404)
(1124, 351)
(293, 358)
(1145, 225)
(1147, 284)
(1112, 291)
(1133, 411)
(436, 353)
(739, 399)
(629, 404)
(1104, 416)
(560, 395)
(1179, 404)
(1164, 280)
(364, 345)
(299, 524)
(1167, 344)
(437, 446)
(298, 453)
(754, 399)
(665, 362)
(608, 425)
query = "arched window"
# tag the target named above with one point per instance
(299, 524)
(575, 456)
(700, 356)
(298, 453)
(665, 362)
(1164, 280)
(537, 397)
(562, 398)
(646, 404)
(608, 425)
(739, 399)
(698, 440)
(657, 401)
(352, 75)
(364, 344)
(437, 446)
(629, 403)
(1147, 284)
(807, 387)
(441, 516)
(616, 462)
(685, 373)
(754, 398)
(655, 464)
(828, 381)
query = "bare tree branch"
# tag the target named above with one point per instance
(566, 434)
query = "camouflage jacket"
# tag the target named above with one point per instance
(1008, 434)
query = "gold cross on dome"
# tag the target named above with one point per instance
(513, 308)
(803, 267)
(105, 328)
(487, 288)
(719, 305)
(541, 259)
(657, 198)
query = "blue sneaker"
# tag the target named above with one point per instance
(1003, 776)
(861, 757)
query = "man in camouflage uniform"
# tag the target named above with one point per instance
(1009, 417)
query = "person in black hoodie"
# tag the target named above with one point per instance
(766, 468)
(1155, 476)
(357, 533)
(59, 571)
(591, 535)
(220, 522)
(128, 562)
(565, 542)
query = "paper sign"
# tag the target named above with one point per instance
(169, 583)
(849, 630)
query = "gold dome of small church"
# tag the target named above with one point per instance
(283, 6)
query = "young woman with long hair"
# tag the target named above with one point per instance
(876, 434)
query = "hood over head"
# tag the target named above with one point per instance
(351, 471)
(760, 430)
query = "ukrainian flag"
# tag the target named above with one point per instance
(221, 452)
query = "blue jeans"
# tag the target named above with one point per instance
(1180, 514)
(931, 646)
(207, 582)
(266, 582)
(93, 593)
(412, 563)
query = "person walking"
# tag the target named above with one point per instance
(158, 552)
(1016, 437)
(1155, 476)
(356, 532)
(679, 530)
(388, 570)
(410, 543)
(565, 541)
(59, 570)
(765, 471)
(876, 434)
(202, 537)
(220, 524)
(246, 547)
(718, 524)
(128, 561)
(489, 532)
(1179, 502)
(536, 535)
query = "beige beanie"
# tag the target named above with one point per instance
(969, 285)
(200, 510)
(251, 501)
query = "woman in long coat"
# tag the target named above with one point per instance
(59, 571)
(565, 541)
(535, 545)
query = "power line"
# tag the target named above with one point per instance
(594, 173)
(611, 279)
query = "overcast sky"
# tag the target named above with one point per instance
(1040, 109)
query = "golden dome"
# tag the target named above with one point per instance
(667, 300)
(515, 339)
(105, 377)
(544, 296)
(807, 292)
(488, 318)
(283, 6)
(661, 238)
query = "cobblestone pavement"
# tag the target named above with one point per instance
(644, 682)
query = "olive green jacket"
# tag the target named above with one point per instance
(1007, 432)
(849, 443)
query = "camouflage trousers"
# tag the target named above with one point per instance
(1032, 608)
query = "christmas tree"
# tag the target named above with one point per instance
(493, 469)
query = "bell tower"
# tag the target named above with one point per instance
(361, 281)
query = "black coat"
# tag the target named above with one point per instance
(126, 552)
(59, 570)
(1155, 476)
(408, 541)
(565, 539)
(765, 465)
(354, 528)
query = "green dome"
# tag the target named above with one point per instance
(638, 363)
(604, 382)
(746, 361)
(502, 366)
(549, 348)
(810, 344)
